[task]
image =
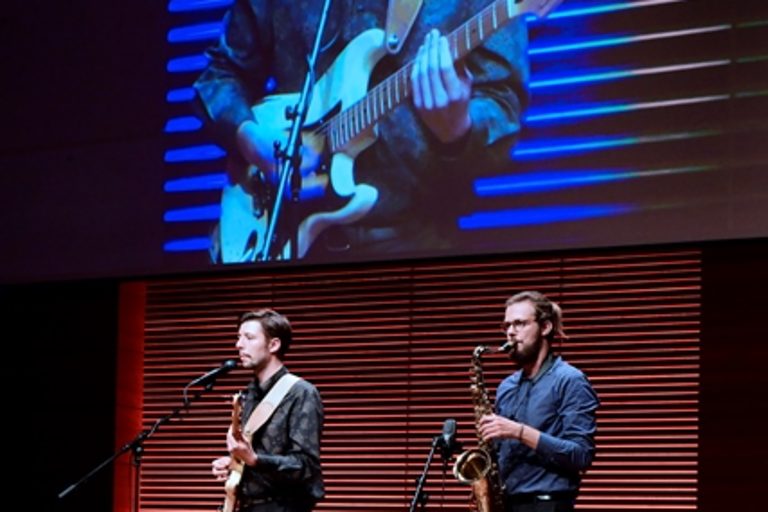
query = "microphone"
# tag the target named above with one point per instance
(211, 376)
(448, 443)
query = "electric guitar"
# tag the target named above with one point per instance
(341, 120)
(236, 469)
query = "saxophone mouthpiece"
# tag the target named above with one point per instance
(507, 347)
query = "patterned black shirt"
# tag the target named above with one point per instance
(288, 445)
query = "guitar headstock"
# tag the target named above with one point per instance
(538, 7)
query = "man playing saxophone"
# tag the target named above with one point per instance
(544, 422)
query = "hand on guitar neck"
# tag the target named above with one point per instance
(237, 446)
(240, 449)
(441, 89)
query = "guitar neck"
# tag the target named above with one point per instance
(391, 92)
(237, 428)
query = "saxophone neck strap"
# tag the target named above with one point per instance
(268, 404)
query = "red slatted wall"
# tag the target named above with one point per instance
(388, 346)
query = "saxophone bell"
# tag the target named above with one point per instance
(472, 466)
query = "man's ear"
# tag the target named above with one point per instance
(546, 328)
(274, 345)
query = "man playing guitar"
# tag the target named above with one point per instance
(389, 177)
(273, 463)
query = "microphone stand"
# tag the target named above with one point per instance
(289, 158)
(137, 447)
(420, 498)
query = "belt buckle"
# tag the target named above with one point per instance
(247, 503)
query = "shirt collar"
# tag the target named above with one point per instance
(545, 366)
(260, 391)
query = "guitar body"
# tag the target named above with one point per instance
(242, 231)
(230, 488)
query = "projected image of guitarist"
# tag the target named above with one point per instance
(412, 100)
(274, 442)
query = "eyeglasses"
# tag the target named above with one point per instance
(516, 325)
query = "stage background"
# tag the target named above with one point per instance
(85, 204)
(70, 346)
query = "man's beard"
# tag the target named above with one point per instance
(526, 354)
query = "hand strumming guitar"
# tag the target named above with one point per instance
(220, 467)
(256, 142)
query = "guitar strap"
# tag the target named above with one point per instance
(400, 17)
(268, 404)
(258, 417)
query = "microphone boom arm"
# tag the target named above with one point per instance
(137, 443)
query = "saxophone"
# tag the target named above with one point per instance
(478, 466)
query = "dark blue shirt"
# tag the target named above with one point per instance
(559, 402)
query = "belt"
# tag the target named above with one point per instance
(273, 503)
(538, 497)
(247, 503)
